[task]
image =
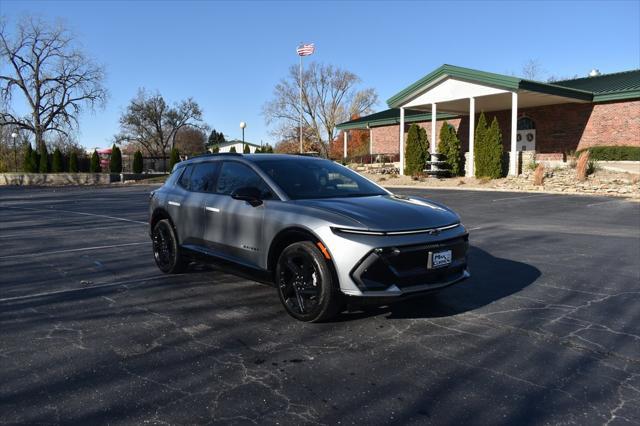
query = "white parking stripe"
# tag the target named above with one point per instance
(71, 250)
(523, 197)
(74, 212)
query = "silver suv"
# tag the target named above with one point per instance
(318, 231)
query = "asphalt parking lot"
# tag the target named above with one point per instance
(546, 331)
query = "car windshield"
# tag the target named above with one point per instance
(309, 179)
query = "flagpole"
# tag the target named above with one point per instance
(300, 80)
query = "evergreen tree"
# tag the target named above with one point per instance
(174, 158)
(73, 162)
(44, 160)
(258, 151)
(215, 139)
(449, 146)
(28, 165)
(56, 162)
(268, 149)
(417, 152)
(115, 163)
(246, 149)
(232, 149)
(137, 162)
(480, 151)
(488, 149)
(35, 161)
(95, 163)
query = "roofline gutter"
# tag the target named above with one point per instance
(390, 121)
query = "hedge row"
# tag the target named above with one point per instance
(613, 153)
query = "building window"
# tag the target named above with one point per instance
(525, 123)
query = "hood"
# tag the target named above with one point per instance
(388, 212)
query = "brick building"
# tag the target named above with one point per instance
(552, 119)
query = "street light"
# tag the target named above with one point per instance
(14, 135)
(242, 126)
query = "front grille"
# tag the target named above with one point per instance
(407, 266)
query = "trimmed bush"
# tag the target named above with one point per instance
(246, 149)
(232, 149)
(115, 163)
(56, 162)
(174, 158)
(488, 149)
(35, 161)
(137, 162)
(43, 167)
(27, 165)
(449, 146)
(95, 163)
(73, 162)
(416, 151)
(613, 153)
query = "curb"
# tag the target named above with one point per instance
(458, 188)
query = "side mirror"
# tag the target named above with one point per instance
(250, 194)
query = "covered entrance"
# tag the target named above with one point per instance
(466, 92)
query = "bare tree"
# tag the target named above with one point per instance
(53, 77)
(152, 123)
(532, 70)
(329, 97)
(191, 141)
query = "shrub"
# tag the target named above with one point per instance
(246, 149)
(95, 163)
(533, 165)
(538, 175)
(614, 153)
(582, 166)
(73, 162)
(232, 149)
(27, 165)
(488, 149)
(35, 161)
(56, 162)
(115, 163)
(416, 151)
(44, 160)
(449, 146)
(174, 158)
(137, 162)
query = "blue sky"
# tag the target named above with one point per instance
(229, 55)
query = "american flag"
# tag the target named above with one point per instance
(305, 49)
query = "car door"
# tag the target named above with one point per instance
(233, 228)
(186, 206)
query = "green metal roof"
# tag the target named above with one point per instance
(624, 85)
(608, 87)
(390, 116)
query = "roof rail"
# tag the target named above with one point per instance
(235, 154)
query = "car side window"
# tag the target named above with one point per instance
(200, 177)
(184, 179)
(234, 175)
(203, 177)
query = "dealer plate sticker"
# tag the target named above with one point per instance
(440, 259)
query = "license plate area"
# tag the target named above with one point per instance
(439, 259)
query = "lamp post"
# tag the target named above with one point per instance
(242, 126)
(14, 135)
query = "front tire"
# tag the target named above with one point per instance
(305, 283)
(166, 250)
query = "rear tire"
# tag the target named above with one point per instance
(166, 250)
(305, 283)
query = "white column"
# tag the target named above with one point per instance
(401, 141)
(513, 170)
(344, 147)
(433, 129)
(472, 129)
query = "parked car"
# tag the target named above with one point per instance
(318, 231)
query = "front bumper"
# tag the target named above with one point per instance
(403, 270)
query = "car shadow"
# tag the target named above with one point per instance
(492, 278)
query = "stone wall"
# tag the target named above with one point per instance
(58, 178)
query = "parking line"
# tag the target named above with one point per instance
(74, 212)
(523, 197)
(71, 250)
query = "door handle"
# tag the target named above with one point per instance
(212, 209)
(174, 203)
